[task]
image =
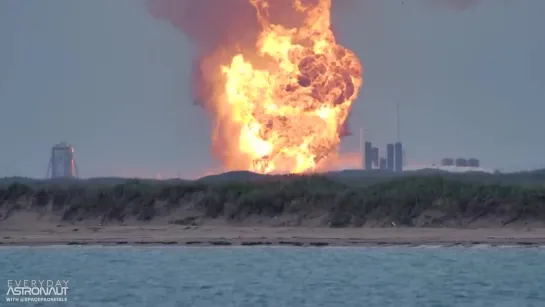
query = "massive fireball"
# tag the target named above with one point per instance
(285, 110)
(272, 77)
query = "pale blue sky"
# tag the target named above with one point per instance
(113, 81)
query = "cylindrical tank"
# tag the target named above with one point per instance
(375, 157)
(390, 157)
(473, 162)
(461, 162)
(368, 156)
(398, 157)
(447, 162)
(383, 164)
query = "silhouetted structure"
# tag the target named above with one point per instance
(461, 162)
(368, 155)
(390, 157)
(393, 161)
(383, 164)
(375, 156)
(62, 163)
(447, 162)
(473, 162)
(398, 157)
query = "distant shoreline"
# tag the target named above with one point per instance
(269, 236)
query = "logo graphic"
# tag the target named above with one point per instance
(31, 290)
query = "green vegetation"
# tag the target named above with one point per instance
(431, 200)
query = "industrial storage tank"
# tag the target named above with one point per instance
(390, 157)
(398, 157)
(473, 162)
(375, 157)
(383, 164)
(368, 156)
(461, 162)
(447, 162)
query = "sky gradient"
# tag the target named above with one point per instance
(114, 82)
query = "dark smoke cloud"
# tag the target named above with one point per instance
(213, 26)
(207, 23)
(226, 25)
(213, 23)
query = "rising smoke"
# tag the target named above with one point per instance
(208, 25)
(224, 28)
(211, 25)
(214, 26)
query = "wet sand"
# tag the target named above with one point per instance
(298, 236)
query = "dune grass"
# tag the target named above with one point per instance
(400, 200)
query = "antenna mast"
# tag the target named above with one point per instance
(361, 139)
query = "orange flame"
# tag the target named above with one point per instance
(283, 108)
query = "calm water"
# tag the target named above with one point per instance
(279, 276)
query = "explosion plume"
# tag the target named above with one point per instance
(278, 86)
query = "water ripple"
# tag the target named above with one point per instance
(286, 276)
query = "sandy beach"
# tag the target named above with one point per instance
(298, 236)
